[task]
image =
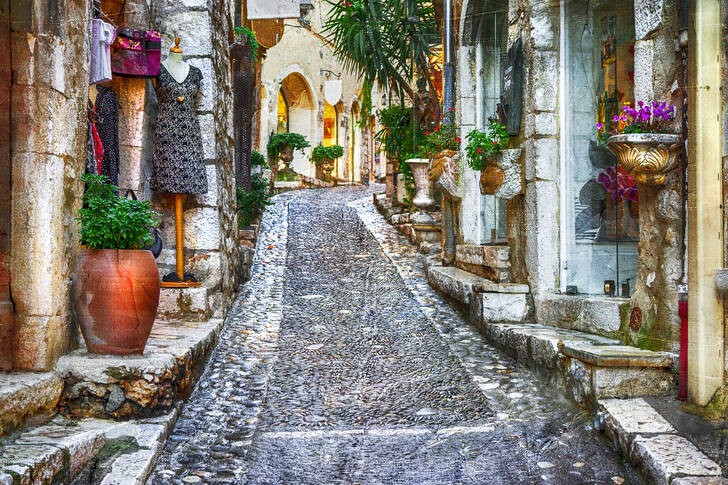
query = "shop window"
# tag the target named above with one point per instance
(491, 47)
(331, 119)
(282, 113)
(600, 227)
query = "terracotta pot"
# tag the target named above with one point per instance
(646, 156)
(491, 178)
(115, 294)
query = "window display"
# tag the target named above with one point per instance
(600, 226)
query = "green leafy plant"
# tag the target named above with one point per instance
(278, 141)
(483, 145)
(321, 153)
(108, 221)
(258, 160)
(443, 137)
(250, 39)
(252, 203)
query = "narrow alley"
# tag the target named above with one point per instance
(339, 364)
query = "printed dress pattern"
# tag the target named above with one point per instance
(179, 165)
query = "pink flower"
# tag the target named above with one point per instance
(600, 126)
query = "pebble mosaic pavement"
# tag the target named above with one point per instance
(340, 365)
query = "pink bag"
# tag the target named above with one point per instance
(136, 53)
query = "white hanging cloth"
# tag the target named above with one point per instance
(102, 35)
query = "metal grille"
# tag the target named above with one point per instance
(243, 97)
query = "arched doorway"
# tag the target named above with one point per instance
(295, 113)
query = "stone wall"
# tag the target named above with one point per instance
(6, 306)
(50, 86)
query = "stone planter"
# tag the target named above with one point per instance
(503, 175)
(327, 167)
(420, 170)
(646, 156)
(286, 156)
(115, 294)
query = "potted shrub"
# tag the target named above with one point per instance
(325, 156)
(252, 203)
(115, 290)
(480, 154)
(282, 145)
(641, 142)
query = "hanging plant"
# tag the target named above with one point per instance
(322, 154)
(249, 39)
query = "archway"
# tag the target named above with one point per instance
(295, 98)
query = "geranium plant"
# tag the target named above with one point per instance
(278, 141)
(321, 153)
(483, 145)
(443, 137)
(651, 117)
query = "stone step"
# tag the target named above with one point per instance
(191, 304)
(64, 450)
(587, 367)
(27, 397)
(109, 386)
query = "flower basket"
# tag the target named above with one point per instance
(646, 156)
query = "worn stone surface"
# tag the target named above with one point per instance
(505, 307)
(621, 382)
(24, 396)
(184, 304)
(138, 385)
(300, 392)
(617, 356)
(593, 314)
(700, 481)
(667, 456)
(626, 418)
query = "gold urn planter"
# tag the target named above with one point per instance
(646, 156)
(327, 167)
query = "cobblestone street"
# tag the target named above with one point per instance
(339, 364)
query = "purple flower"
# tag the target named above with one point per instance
(600, 126)
(616, 118)
(640, 103)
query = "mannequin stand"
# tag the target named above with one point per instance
(180, 249)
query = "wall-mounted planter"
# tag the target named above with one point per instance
(504, 176)
(445, 172)
(646, 156)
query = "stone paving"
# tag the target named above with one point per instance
(339, 364)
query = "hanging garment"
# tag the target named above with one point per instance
(102, 35)
(94, 148)
(107, 125)
(179, 165)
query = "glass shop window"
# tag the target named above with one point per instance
(282, 113)
(601, 224)
(330, 125)
(491, 40)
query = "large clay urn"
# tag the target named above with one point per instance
(646, 156)
(286, 156)
(115, 294)
(420, 170)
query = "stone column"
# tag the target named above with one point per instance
(49, 127)
(6, 306)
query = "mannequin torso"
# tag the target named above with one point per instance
(176, 66)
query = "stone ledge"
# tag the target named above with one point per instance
(107, 386)
(666, 457)
(616, 356)
(26, 397)
(592, 314)
(454, 282)
(625, 419)
(191, 304)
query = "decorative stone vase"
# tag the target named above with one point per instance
(115, 294)
(646, 156)
(286, 156)
(420, 170)
(327, 167)
(502, 175)
(491, 178)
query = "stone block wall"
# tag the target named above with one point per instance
(6, 306)
(49, 91)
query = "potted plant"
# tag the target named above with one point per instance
(282, 145)
(641, 142)
(325, 156)
(480, 154)
(115, 290)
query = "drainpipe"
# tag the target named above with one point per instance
(448, 71)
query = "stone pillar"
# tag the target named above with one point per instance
(705, 251)
(6, 306)
(49, 92)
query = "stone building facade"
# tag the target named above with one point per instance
(565, 238)
(44, 87)
(299, 67)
